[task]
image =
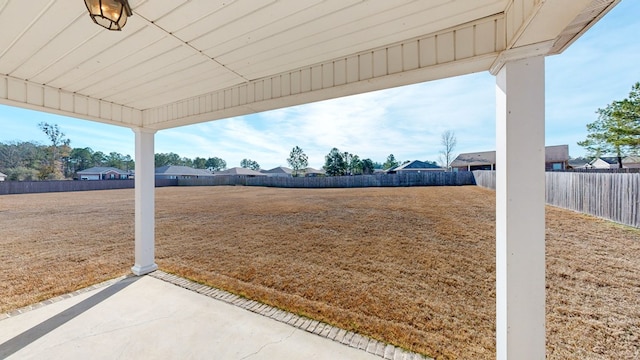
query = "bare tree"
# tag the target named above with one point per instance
(448, 142)
(59, 147)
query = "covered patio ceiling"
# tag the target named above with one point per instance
(180, 62)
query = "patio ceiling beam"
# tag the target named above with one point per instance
(464, 49)
(33, 96)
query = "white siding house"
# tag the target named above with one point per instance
(181, 172)
(102, 173)
(605, 162)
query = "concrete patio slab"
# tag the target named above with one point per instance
(150, 318)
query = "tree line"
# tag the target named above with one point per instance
(28, 160)
(212, 163)
(338, 163)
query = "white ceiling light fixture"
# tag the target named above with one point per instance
(110, 14)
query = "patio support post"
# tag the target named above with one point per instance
(520, 210)
(144, 202)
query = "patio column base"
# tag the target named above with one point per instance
(142, 270)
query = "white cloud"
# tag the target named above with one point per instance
(406, 121)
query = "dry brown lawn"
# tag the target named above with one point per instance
(410, 266)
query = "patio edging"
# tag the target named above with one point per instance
(331, 332)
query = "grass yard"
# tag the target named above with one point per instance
(410, 266)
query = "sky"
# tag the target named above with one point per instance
(407, 121)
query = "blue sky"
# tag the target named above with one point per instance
(408, 121)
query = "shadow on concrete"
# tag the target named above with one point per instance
(27, 337)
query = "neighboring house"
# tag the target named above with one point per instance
(415, 166)
(611, 162)
(604, 162)
(484, 160)
(181, 172)
(311, 172)
(631, 162)
(578, 164)
(3, 177)
(280, 171)
(239, 171)
(102, 173)
(556, 158)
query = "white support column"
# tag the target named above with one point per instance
(145, 183)
(520, 202)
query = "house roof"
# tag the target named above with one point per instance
(554, 153)
(240, 171)
(577, 162)
(176, 170)
(416, 165)
(101, 170)
(181, 62)
(631, 160)
(311, 170)
(3, 175)
(476, 158)
(611, 160)
(278, 170)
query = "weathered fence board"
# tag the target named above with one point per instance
(613, 196)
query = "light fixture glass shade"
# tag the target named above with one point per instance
(110, 14)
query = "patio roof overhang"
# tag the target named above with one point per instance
(181, 62)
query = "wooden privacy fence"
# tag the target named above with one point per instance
(613, 196)
(417, 179)
(28, 187)
(408, 179)
(485, 178)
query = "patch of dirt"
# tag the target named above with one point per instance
(411, 266)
